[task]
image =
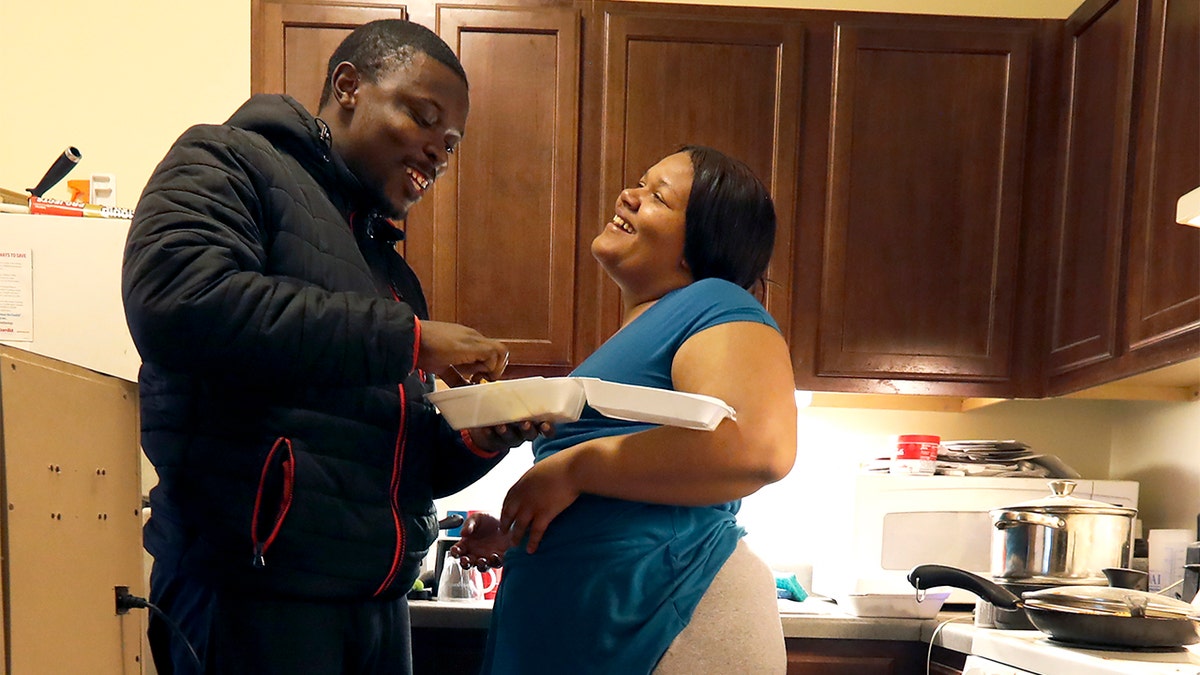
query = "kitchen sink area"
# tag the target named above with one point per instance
(822, 637)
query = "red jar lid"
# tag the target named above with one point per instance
(919, 438)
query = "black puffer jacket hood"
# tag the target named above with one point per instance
(278, 329)
(285, 124)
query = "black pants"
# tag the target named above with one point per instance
(234, 633)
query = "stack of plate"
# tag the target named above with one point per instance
(999, 458)
(999, 452)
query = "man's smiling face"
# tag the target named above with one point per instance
(403, 128)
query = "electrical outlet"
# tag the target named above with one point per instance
(122, 596)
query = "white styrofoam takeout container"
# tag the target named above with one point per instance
(561, 399)
(554, 399)
(656, 406)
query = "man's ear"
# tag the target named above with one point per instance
(345, 81)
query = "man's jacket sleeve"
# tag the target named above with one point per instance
(199, 294)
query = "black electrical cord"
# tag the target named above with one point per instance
(127, 601)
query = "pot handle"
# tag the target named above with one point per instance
(1009, 519)
(929, 576)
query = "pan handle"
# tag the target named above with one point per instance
(929, 576)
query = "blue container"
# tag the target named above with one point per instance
(456, 531)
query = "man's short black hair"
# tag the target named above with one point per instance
(379, 46)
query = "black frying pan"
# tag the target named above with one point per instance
(1086, 615)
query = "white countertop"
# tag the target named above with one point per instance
(810, 619)
(1028, 650)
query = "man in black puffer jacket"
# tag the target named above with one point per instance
(286, 352)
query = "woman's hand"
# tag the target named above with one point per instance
(537, 497)
(482, 544)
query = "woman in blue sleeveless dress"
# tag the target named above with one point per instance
(626, 555)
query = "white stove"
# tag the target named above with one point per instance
(1030, 652)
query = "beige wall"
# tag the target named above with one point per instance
(1158, 444)
(120, 80)
(1154, 443)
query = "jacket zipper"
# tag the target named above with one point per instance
(285, 500)
(397, 459)
(397, 462)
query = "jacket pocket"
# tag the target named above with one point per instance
(273, 498)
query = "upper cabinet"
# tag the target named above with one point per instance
(291, 43)
(967, 206)
(496, 246)
(495, 241)
(924, 195)
(1124, 278)
(673, 77)
(1086, 251)
(1162, 317)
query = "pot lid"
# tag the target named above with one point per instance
(1061, 501)
(1109, 601)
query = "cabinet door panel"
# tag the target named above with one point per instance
(734, 86)
(293, 41)
(1085, 265)
(1163, 287)
(814, 656)
(924, 200)
(501, 237)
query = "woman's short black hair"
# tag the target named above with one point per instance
(378, 46)
(730, 220)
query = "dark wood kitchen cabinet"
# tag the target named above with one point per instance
(818, 656)
(292, 42)
(1162, 308)
(499, 250)
(968, 206)
(495, 242)
(1085, 254)
(448, 651)
(815, 656)
(1124, 277)
(921, 261)
(674, 76)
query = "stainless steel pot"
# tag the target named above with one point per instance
(1060, 539)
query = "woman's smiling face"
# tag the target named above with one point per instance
(641, 248)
